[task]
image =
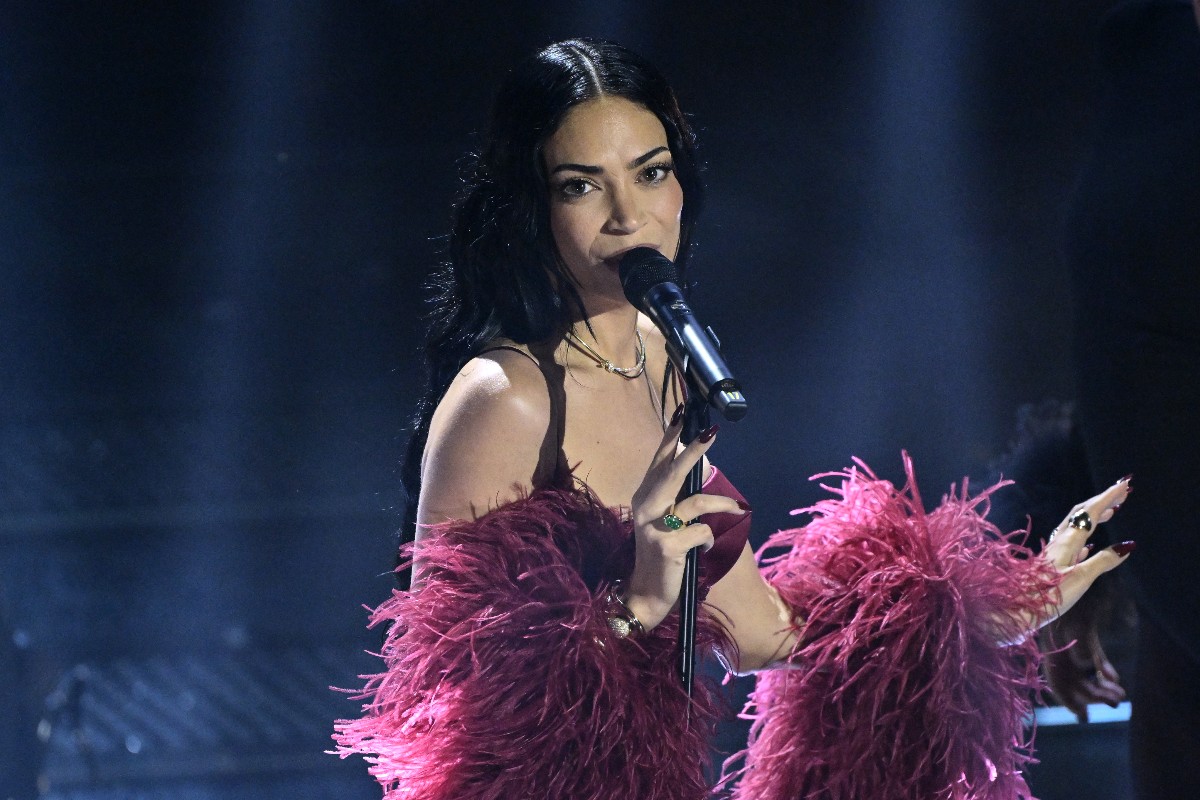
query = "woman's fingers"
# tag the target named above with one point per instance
(677, 541)
(672, 545)
(678, 470)
(696, 535)
(1067, 548)
(1077, 579)
(666, 455)
(668, 471)
(700, 504)
(1073, 532)
(670, 441)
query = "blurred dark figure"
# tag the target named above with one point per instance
(1133, 242)
(1048, 463)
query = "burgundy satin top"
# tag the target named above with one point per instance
(731, 531)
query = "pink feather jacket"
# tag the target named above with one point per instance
(503, 680)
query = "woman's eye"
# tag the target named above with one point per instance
(575, 187)
(657, 173)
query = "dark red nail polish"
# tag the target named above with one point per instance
(678, 415)
(1126, 479)
(1088, 547)
(1124, 548)
(743, 505)
(1115, 508)
(707, 435)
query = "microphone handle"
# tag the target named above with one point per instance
(696, 419)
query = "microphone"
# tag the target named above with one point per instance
(650, 283)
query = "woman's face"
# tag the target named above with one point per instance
(612, 187)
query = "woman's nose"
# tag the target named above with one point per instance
(625, 212)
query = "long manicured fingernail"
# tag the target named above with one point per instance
(1124, 548)
(1126, 479)
(743, 505)
(707, 435)
(678, 415)
(1115, 508)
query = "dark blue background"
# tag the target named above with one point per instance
(215, 220)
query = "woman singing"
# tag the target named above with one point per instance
(534, 655)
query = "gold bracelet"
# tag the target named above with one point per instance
(623, 622)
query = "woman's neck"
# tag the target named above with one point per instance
(612, 334)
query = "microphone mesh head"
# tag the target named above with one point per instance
(642, 268)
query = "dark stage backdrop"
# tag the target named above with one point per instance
(215, 220)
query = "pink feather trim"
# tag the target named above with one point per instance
(504, 681)
(901, 690)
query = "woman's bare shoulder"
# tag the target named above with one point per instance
(486, 437)
(500, 381)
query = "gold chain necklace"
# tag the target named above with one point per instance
(601, 361)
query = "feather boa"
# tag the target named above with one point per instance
(901, 691)
(504, 681)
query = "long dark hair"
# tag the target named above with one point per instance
(504, 277)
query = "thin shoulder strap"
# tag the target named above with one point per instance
(512, 347)
(552, 461)
(554, 374)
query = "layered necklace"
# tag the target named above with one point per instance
(601, 361)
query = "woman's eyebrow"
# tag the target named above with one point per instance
(637, 162)
(589, 169)
(584, 168)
